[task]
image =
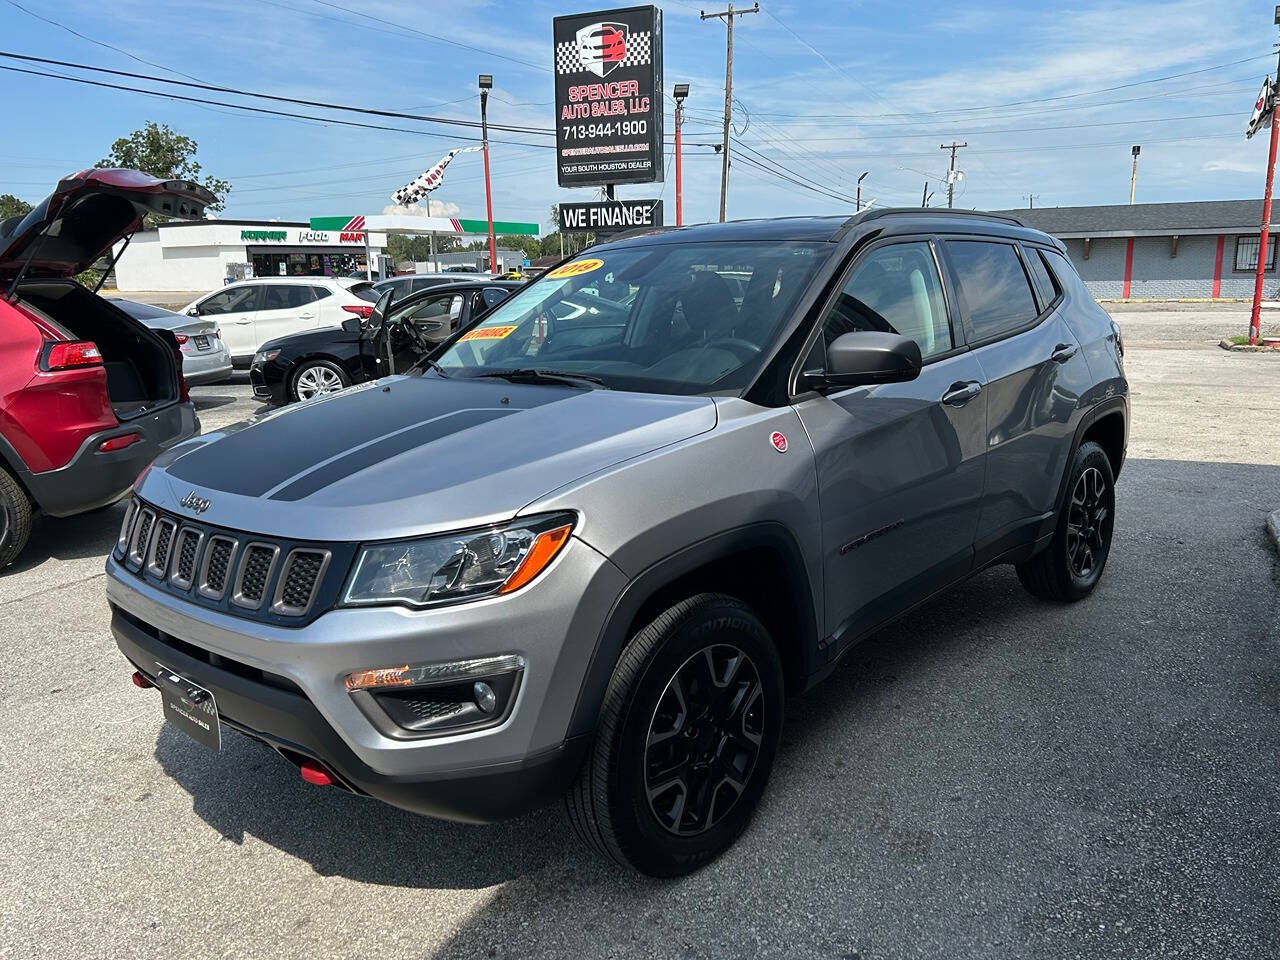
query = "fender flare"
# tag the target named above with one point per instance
(645, 586)
(1104, 408)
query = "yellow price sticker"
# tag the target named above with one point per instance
(488, 333)
(575, 269)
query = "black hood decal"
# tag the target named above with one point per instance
(310, 446)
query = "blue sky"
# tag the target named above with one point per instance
(825, 89)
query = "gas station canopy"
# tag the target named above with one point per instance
(410, 225)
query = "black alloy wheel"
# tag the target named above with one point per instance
(1089, 520)
(1071, 565)
(704, 739)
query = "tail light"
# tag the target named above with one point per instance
(181, 338)
(217, 333)
(70, 354)
(362, 310)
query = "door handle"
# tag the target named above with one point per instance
(961, 393)
(306, 316)
(1064, 352)
(242, 321)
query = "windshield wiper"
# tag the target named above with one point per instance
(535, 375)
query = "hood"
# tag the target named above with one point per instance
(405, 456)
(307, 339)
(87, 213)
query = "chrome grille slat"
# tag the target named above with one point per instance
(141, 536)
(257, 563)
(300, 580)
(184, 558)
(215, 568)
(161, 543)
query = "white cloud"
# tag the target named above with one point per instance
(1232, 165)
(439, 208)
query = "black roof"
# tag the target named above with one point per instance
(1145, 219)
(832, 229)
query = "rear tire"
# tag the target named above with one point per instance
(15, 518)
(1071, 566)
(315, 377)
(687, 736)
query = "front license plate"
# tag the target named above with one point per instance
(189, 707)
(202, 343)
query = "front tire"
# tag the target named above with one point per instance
(687, 737)
(315, 377)
(15, 518)
(1071, 566)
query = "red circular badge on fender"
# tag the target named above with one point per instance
(779, 442)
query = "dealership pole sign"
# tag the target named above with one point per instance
(608, 78)
(610, 217)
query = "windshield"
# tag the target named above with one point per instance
(682, 318)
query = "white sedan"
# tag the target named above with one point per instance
(251, 312)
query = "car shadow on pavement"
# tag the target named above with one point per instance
(70, 538)
(205, 401)
(990, 775)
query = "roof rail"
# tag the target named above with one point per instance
(879, 212)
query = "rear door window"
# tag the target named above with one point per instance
(995, 287)
(1045, 284)
(282, 296)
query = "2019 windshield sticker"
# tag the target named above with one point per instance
(576, 269)
(488, 333)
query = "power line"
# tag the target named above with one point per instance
(236, 91)
(264, 110)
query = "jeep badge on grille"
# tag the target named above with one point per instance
(193, 501)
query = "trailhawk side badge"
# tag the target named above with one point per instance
(779, 442)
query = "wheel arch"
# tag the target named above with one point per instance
(300, 363)
(1107, 424)
(760, 564)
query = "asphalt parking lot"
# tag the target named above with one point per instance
(992, 776)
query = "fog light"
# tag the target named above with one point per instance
(486, 699)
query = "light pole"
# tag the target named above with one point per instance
(858, 196)
(1133, 179)
(681, 91)
(486, 84)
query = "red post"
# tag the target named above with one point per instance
(1255, 319)
(679, 178)
(1217, 268)
(1128, 269)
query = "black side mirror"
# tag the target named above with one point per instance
(866, 357)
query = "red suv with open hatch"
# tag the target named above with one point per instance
(88, 395)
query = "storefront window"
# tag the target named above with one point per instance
(1247, 253)
(280, 264)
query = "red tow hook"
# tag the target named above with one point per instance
(315, 774)
(141, 682)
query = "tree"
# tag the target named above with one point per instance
(11, 206)
(162, 152)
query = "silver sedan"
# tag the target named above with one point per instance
(205, 358)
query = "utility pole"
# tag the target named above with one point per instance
(727, 16)
(951, 175)
(486, 84)
(858, 196)
(1031, 199)
(681, 91)
(1133, 179)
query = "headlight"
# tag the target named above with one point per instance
(457, 567)
(262, 356)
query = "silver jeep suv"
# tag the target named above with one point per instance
(589, 546)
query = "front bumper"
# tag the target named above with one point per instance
(268, 383)
(93, 479)
(303, 708)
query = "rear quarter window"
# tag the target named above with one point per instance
(995, 286)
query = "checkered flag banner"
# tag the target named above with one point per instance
(571, 58)
(1262, 109)
(414, 191)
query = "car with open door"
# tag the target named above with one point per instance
(393, 339)
(88, 395)
(251, 312)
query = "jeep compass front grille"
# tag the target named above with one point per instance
(262, 578)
